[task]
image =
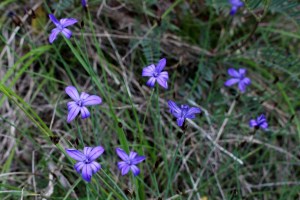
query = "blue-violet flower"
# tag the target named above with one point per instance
(79, 103)
(238, 77)
(259, 122)
(86, 164)
(183, 112)
(83, 3)
(61, 27)
(129, 162)
(235, 4)
(156, 74)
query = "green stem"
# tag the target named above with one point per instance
(292, 110)
(72, 188)
(94, 77)
(171, 168)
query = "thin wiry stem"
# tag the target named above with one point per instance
(33, 172)
(215, 144)
(221, 130)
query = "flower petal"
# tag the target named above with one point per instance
(173, 106)
(125, 170)
(191, 112)
(162, 82)
(67, 33)
(132, 155)
(122, 154)
(180, 121)
(151, 82)
(53, 34)
(87, 173)
(252, 123)
(175, 114)
(73, 112)
(138, 159)
(148, 71)
(76, 154)
(240, 4)
(164, 75)
(122, 164)
(83, 3)
(95, 166)
(95, 153)
(261, 118)
(234, 73)
(242, 72)
(264, 125)
(231, 82)
(233, 10)
(242, 86)
(92, 100)
(135, 170)
(84, 112)
(54, 20)
(71, 104)
(72, 92)
(78, 166)
(67, 22)
(161, 65)
(84, 95)
(87, 150)
(246, 81)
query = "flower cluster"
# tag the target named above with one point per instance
(86, 164)
(156, 74)
(186, 112)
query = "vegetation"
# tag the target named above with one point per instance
(216, 155)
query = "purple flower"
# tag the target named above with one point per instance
(156, 74)
(129, 162)
(235, 4)
(86, 164)
(79, 103)
(259, 122)
(238, 77)
(61, 27)
(83, 3)
(183, 112)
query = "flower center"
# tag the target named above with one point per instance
(79, 103)
(184, 109)
(60, 27)
(260, 122)
(87, 161)
(128, 162)
(242, 76)
(155, 74)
